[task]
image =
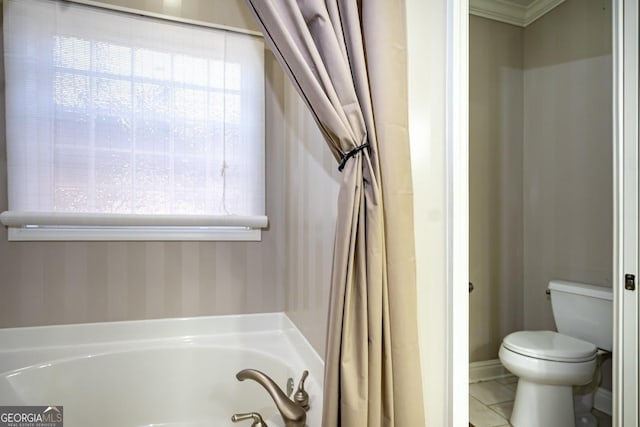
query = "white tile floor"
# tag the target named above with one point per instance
(491, 402)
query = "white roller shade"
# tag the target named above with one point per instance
(114, 114)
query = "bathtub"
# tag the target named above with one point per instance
(169, 372)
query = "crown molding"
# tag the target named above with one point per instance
(511, 12)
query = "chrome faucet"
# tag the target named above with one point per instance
(292, 413)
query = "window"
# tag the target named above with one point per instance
(123, 126)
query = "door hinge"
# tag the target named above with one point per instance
(630, 282)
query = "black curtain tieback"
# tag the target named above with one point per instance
(350, 154)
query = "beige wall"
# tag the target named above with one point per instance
(567, 152)
(495, 184)
(75, 282)
(563, 165)
(568, 187)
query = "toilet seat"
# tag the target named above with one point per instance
(549, 345)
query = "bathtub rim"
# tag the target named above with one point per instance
(147, 332)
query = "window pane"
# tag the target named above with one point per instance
(71, 179)
(232, 108)
(190, 70)
(233, 76)
(114, 178)
(152, 64)
(152, 176)
(112, 59)
(192, 138)
(151, 97)
(72, 167)
(191, 103)
(71, 199)
(72, 129)
(190, 176)
(113, 95)
(216, 107)
(216, 74)
(71, 52)
(152, 135)
(71, 90)
(112, 132)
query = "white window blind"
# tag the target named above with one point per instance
(117, 120)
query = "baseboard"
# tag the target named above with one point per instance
(486, 370)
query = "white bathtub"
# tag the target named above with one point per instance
(172, 373)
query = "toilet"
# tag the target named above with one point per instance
(558, 372)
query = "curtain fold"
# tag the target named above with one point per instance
(347, 59)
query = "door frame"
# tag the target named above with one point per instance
(437, 53)
(625, 193)
(457, 205)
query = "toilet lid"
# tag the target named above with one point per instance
(548, 345)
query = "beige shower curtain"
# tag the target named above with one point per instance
(347, 59)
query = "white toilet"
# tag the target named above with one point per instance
(550, 365)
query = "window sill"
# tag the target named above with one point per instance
(25, 234)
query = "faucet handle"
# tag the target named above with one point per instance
(257, 419)
(301, 397)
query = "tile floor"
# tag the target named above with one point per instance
(491, 402)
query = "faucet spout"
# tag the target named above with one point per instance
(292, 413)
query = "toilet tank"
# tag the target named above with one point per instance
(583, 311)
